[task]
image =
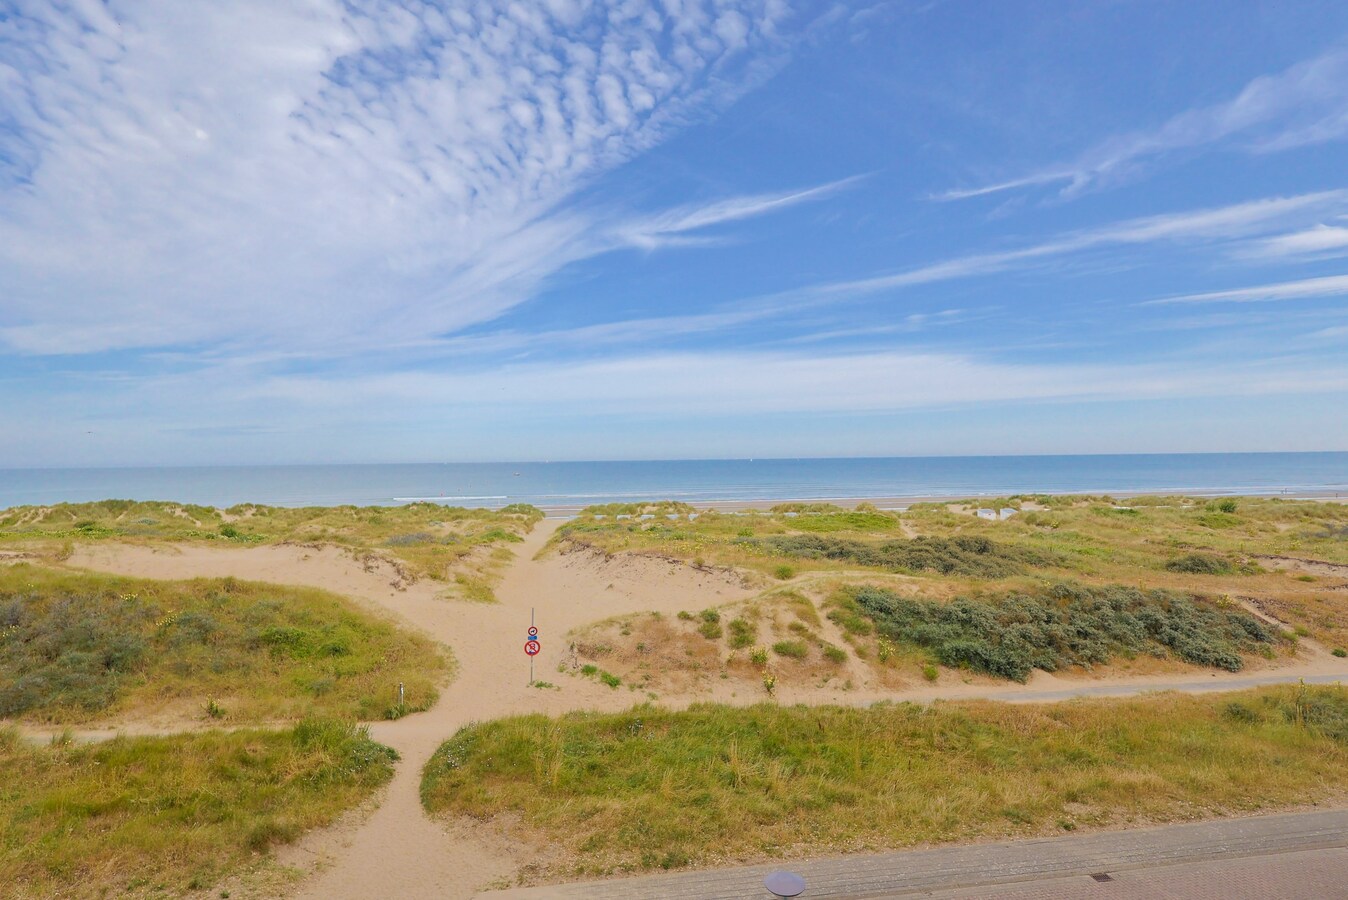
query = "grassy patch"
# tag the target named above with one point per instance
(743, 633)
(1068, 625)
(654, 789)
(162, 815)
(79, 647)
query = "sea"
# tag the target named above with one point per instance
(572, 485)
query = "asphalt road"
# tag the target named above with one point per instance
(1296, 856)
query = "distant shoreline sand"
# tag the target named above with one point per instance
(900, 502)
(903, 502)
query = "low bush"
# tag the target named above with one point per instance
(791, 649)
(1069, 625)
(1201, 564)
(743, 633)
(836, 655)
(968, 555)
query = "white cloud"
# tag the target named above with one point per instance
(321, 173)
(669, 228)
(1305, 104)
(1237, 221)
(1320, 241)
(715, 383)
(1327, 286)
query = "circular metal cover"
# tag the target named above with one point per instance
(785, 884)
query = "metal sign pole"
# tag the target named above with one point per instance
(532, 646)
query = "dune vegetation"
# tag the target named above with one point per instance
(653, 788)
(1287, 557)
(78, 648)
(167, 816)
(1067, 625)
(426, 539)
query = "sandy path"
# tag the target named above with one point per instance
(395, 850)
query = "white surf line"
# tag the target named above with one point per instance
(445, 497)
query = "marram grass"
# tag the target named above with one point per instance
(165, 816)
(77, 648)
(652, 788)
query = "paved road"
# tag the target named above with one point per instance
(1297, 856)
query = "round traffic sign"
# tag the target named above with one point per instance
(532, 647)
(533, 632)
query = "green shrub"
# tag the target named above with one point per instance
(784, 572)
(791, 649)
(1218, 520)
(1201, 564)
(848, 616)
(1339, 652)
(710, 630)
(610, 679)
(710, 616)
(835, 654)
(968, 555)
(1069, 625)
(930, 672)
(742, 633)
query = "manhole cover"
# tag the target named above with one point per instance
(784, 884)
(1102, 876)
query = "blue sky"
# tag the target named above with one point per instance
(377, 231)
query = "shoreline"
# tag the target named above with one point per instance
(888, 502)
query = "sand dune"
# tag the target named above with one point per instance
(395, 850)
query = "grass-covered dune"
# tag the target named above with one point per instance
(1288, 557)
(652, 788)
(156, 816)
(427, 537)
(76, 648)
(1083, 533)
